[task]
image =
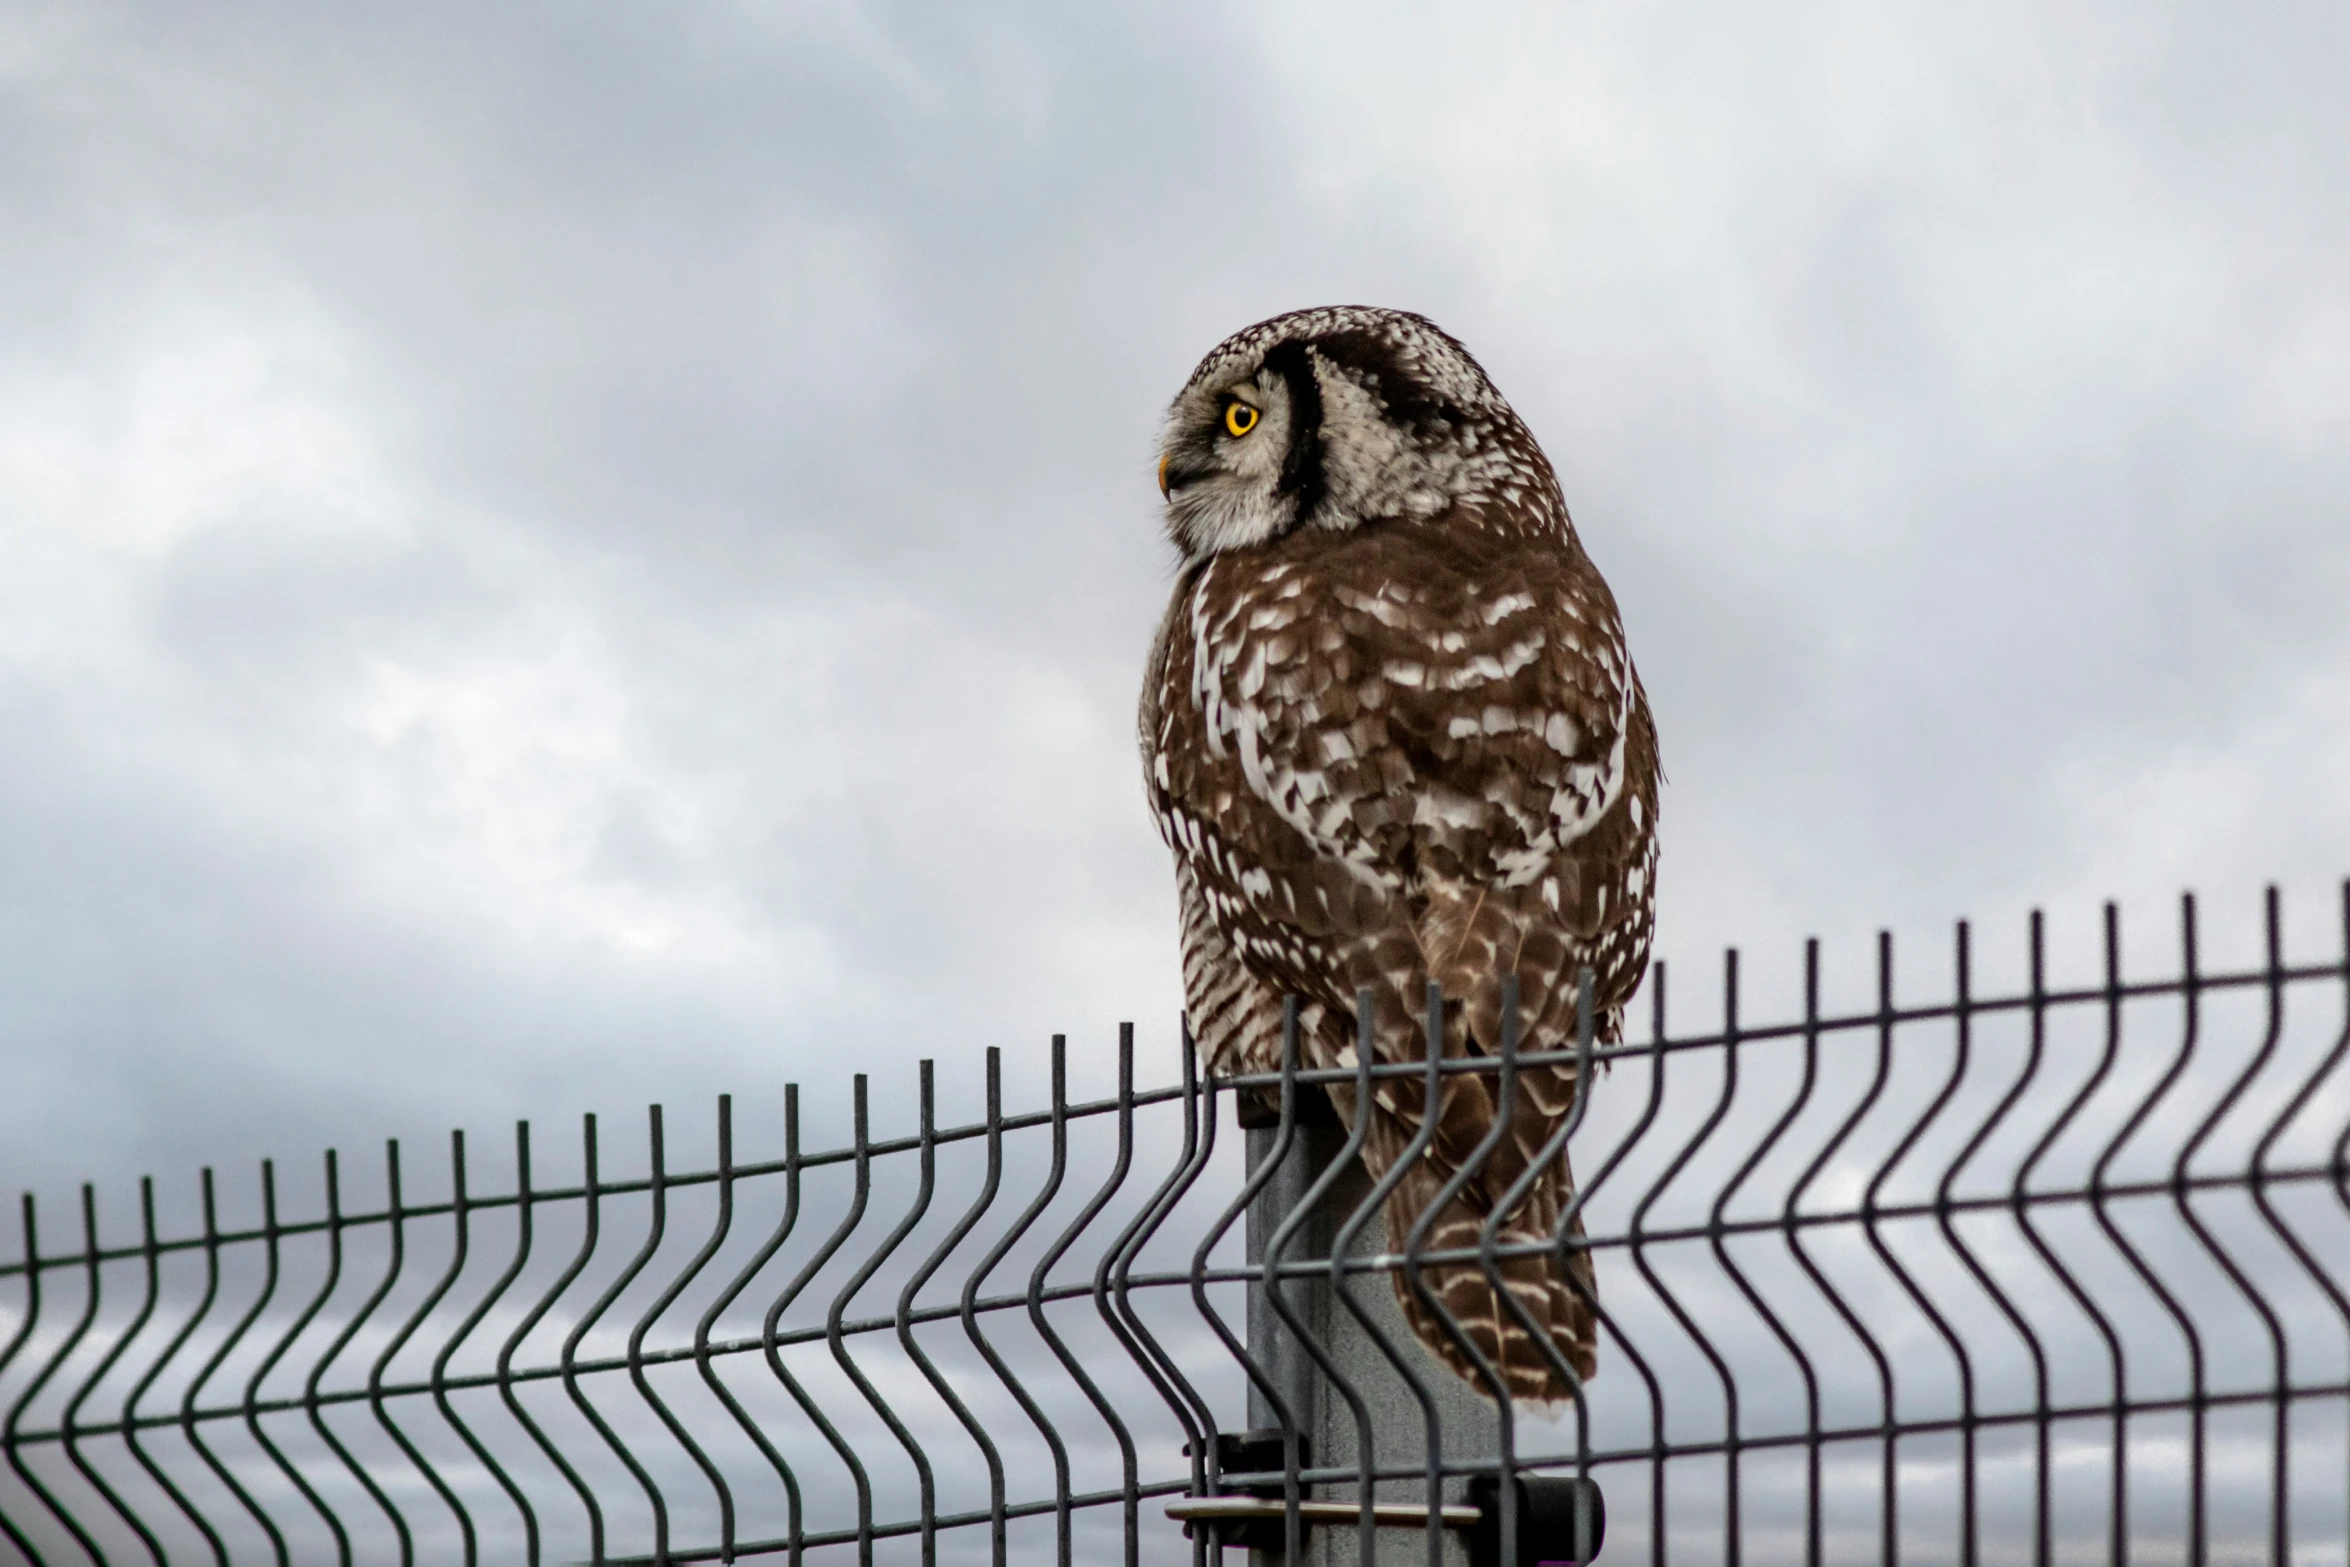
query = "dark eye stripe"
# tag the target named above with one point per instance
(1301, 465)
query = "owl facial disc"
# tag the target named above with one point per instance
(1328, 418)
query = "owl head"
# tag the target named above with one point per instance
(1329, 419)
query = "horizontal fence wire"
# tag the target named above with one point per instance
(2045, 1275)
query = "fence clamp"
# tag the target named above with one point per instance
(1561, 1520)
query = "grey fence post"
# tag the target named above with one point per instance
(1398, 1421)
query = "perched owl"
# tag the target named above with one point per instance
(1393, 735)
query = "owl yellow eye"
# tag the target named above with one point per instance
(1239, 418)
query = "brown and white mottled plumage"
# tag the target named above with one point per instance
(1393, 734)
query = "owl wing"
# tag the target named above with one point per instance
(1404, 755)
(1240, 959)
(1400, 757)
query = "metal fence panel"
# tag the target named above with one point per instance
(2048, 1275)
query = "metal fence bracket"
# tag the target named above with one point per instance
(1561, 1519)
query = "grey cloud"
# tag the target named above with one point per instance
(568, 559)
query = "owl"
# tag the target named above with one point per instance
(1392, 733)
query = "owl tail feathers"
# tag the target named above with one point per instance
(1557, 1300)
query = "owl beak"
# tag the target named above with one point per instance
(1164, 492)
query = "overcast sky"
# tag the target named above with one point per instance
(558, 556)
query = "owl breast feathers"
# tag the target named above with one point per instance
(1394, 737)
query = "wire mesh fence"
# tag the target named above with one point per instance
(2055, 1273)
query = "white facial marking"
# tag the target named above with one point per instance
(1236, 503)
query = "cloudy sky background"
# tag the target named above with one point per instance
(554, 557)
